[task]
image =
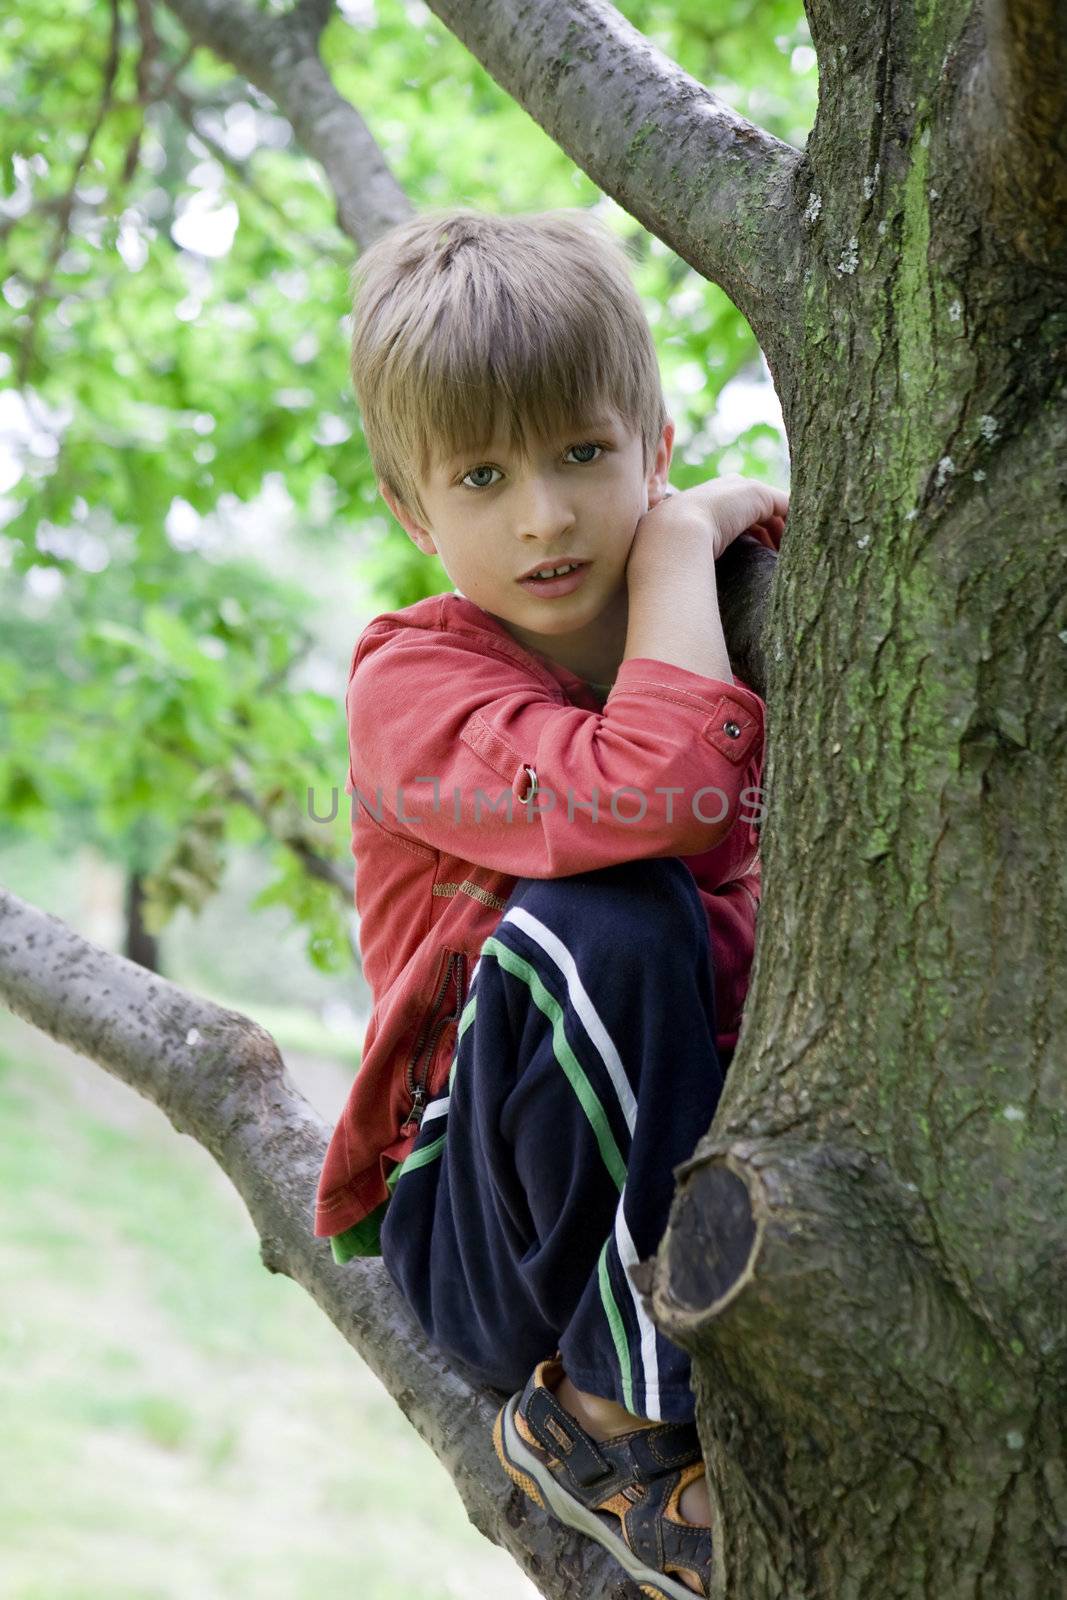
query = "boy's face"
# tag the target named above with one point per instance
(493, 514)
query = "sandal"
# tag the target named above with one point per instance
(623, 1492)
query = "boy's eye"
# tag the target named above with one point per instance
(482, 477)
(486, 477)
(585, 452)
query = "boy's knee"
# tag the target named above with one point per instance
(632, 903)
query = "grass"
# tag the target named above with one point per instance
(178, 1423)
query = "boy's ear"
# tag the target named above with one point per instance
(413, 528)
(661, 466)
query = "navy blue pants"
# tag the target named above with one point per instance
(585, 1070)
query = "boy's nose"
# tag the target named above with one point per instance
(541, 511)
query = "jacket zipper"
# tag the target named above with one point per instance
(416, 1080)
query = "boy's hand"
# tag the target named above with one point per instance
(719, 511)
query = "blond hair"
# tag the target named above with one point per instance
(464, 321)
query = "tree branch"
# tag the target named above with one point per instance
(280, 56)
(1017, 114)
(744, 581)
(220, 1078)
(809, 1271)
(713, 186)
(186, 107)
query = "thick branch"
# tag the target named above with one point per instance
(220, 1078)
(805, 1279)
(280, 56)
(1018, 118)
(822, 1250)
(713, 186)
(744, 579)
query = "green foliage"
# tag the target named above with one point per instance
(174, 347)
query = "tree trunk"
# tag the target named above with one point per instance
(139, 945)
(868, 1255)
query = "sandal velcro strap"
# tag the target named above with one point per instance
(561, 1435)
(637, 1457)
(660, 1540)
(661, 1449)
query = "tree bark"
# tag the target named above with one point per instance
(868, 1255)
(1017, 114)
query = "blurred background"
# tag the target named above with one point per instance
(190, 545)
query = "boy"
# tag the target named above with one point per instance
(556, 879)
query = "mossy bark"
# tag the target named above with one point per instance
(868, 1255)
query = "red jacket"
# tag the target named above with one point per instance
(440, 690)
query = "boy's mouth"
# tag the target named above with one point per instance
(560, 581)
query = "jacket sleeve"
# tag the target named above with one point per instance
(465, 751)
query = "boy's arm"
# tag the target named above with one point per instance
(674, 601)
(448, 741)
(673, 588)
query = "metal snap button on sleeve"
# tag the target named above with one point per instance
(733, 729)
